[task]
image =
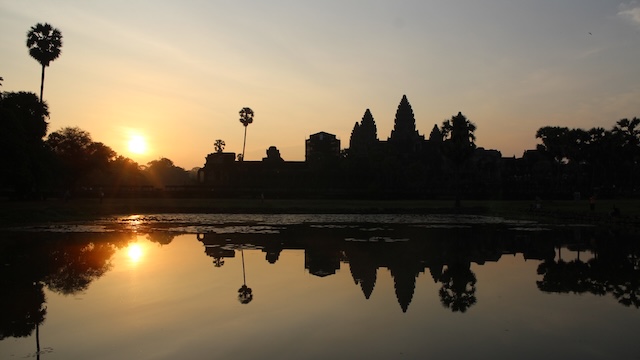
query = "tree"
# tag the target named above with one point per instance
(24, 109)
(219, 145)
(598, 156)
(163, 172)
(554, 139)
(628, 134)
(459, 138)
(44, 43)
(78, 155)
(23, 127)
(246, 118)
(458, 145)
(125, 172)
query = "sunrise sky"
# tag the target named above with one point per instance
(176, 73)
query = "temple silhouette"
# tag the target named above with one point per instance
(406, 165)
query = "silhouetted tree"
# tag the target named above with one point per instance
(44, 43)
(273, 155)
(628, 133)
(554, 141)
(597, 150)
(124, 172)
(604, 157)
(23, 111)
(246, 118)
(22, 127)
(458, 146)
(163, 172)
(219, 145)
(78, 156)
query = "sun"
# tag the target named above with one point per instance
(137, 144)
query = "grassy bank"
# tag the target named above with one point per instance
(24, 212)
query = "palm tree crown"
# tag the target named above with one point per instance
(44, 43)
(246, 118)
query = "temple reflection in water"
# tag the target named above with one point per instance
(571, 260)
(446, 254)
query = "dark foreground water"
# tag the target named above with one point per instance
(318, 287)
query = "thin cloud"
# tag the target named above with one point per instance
(630, 11)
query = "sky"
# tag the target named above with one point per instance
(176, 73)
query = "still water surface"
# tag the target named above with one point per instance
(318, 287)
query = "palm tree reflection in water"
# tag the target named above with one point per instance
(244, 293)
(458, 291)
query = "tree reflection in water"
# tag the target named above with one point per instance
(614, 269)
(446, 254)
(65, 263)
(245, 294)
(77, 264)
(458, 291)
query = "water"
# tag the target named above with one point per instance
(318, 287)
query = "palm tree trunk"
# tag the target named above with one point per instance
(42, 84)
(456, 180)
(244, 142)
(244, 276)
(38, 341)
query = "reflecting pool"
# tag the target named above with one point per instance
(318, 287)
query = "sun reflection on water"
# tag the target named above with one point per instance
(133, 222)
(135, 252)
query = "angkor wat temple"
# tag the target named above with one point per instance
(406, 165)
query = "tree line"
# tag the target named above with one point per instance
(67, 161)
(599, 160)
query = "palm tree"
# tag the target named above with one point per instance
(458, 146)
(219, 145)
(246, 118)
(44, 43)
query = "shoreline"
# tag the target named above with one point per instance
(86, 209)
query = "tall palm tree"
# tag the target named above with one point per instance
(246, 118)
(458, 146)
(44, 43)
